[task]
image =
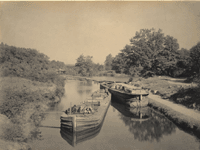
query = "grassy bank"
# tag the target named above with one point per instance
(184, 122)
(23, 103)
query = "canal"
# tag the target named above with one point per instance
(119, 131)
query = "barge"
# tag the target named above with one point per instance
(87, 115)
(133, 96)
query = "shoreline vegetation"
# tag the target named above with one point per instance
(29, 85)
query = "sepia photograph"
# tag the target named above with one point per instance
(99, 75)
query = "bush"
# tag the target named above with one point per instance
(148, 74)
(189, 97)
(135, 71)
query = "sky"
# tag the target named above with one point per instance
(65, 30)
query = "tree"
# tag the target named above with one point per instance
(195, 58)
(146, 45)
(85, 65)
(151, 50)
(108, 62)
(118, 63)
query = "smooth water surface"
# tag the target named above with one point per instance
(118, 131)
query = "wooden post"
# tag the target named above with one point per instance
(140, 115)
(140, 98)
(70, 109)
(74, 123)
(74, 130)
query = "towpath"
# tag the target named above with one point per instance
(176, 107)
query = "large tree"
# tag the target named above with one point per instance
(150, 50)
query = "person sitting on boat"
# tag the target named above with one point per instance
(66, 111)
(74, 109)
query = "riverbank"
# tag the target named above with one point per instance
(185, 118)
(23, 104)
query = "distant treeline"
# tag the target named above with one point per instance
(152, 53)
(30, 64)
(86, 67)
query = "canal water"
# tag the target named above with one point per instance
(119, 131)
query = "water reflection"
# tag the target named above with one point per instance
(150, 128)
(85, 83)
(74, 138)
(138, 113)
(84, 87)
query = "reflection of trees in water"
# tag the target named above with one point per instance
(149, 130)
(87, 91)
(85, 83)
(84, 87)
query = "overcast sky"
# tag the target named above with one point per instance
(65, 30)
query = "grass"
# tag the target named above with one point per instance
(161, 85)
(184, 122)
(173, 89)
(23, 102)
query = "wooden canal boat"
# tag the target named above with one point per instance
(75, 138)
(88, 114)
(131, 95)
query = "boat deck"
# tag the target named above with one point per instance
(92, 116)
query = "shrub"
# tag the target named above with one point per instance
(148, 74)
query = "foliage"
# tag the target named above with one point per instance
(28, 63)
(108, 62)
(22, 100)
(135, 71)
(195, 58)
(86, 67)
(189, 97)
(118, 63)
(152, 51)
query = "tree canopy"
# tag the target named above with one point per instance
(150, 51)
(28, 63)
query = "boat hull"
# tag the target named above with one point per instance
(139, 99)
(87, 121)
(130, 101)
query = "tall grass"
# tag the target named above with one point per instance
(24, 102)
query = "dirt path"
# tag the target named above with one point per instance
(176, 107)
(177, 81)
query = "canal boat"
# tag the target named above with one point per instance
(75, 138)
(133, 96)
(88, 114)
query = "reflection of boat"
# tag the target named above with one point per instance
(87, 115)
(136, 114)
(134, 96)
(74, 138)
